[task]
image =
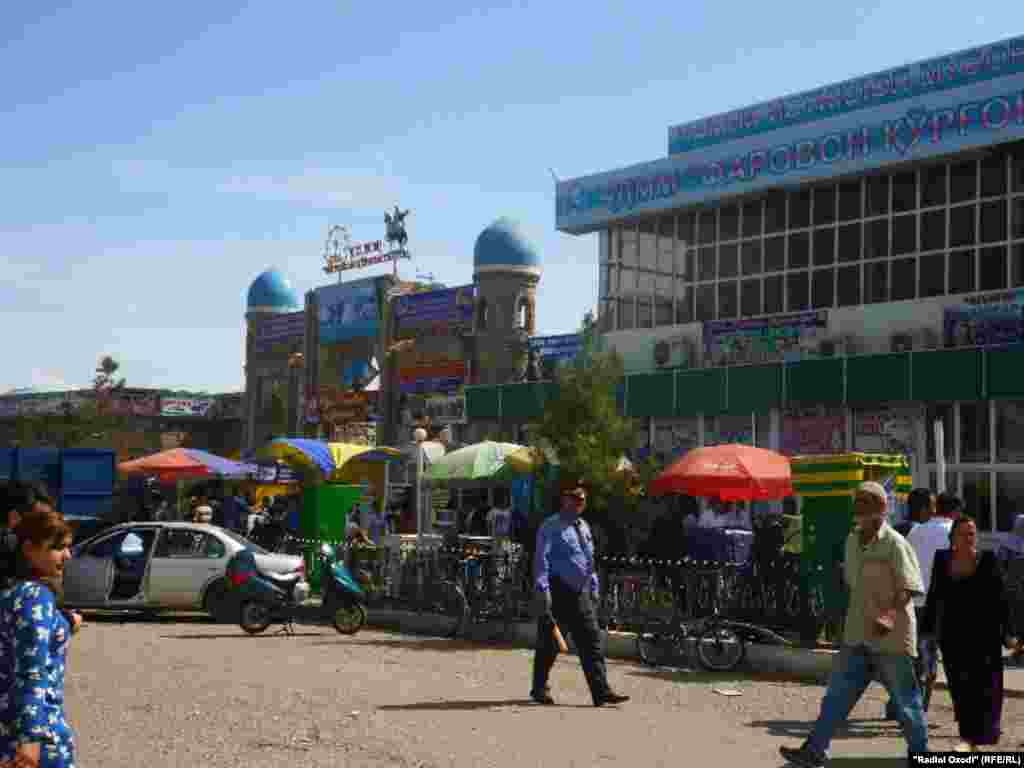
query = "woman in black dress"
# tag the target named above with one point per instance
(967, 612)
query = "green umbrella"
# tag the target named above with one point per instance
(482, 461)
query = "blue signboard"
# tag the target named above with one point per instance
(909, 122)
(942, 73)
(561, 348)
(445, 311)
(349, 311)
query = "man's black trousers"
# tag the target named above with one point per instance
(576, 615)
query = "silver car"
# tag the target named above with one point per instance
(157, 566)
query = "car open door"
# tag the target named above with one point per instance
(89, 575)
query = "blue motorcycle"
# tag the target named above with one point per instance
(265, 598)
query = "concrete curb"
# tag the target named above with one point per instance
(798, 663)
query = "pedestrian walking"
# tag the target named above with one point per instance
(34, 636)
(567, 592)
(880, 635)
(967, 612)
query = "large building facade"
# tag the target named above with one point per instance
(835, 270)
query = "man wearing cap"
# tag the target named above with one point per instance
(567, 590)
(880, 636)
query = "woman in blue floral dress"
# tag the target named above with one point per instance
(34, 635)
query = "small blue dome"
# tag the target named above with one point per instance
(272, 293)
(503, 245)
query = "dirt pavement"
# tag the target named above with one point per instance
(182, 691)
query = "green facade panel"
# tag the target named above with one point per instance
(878, 378)
(700, 392)
(755, 388)
(650, 395)
(483, 403)
(945, 375)
(1005, 374)
(815, 381)
(521, 403)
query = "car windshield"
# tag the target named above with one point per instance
(256, 549)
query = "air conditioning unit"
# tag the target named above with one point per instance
(928, 338)
(829, 347)
(662, 353)
(673, 353)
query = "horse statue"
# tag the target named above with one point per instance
(395, 223)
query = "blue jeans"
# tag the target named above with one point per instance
(854, 670)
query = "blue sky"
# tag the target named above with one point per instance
(156, 157)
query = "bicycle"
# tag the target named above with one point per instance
(720, 643)
(441, 593)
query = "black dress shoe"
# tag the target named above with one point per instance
(611, 698)
(544, 697)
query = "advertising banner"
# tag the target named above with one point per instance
(561, 348)
(985, 320)
(340, 407)
(349, 310)
(811, 434)
(185, 406)
(432, 376)
(444, 312)
(887, 430)
(130, 404)
(446, 410)
(278, 329)
(966, 101)
(787, 338)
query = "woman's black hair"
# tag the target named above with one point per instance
(963, 519)
(23, 497)
(948, 504)
(918, 499)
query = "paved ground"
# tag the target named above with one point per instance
(182, 691)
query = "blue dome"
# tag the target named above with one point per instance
(271, 292)
(503, 245)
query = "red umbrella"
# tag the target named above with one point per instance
(729, 473)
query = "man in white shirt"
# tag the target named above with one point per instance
(927, 538)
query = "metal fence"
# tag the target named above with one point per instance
(496, 582)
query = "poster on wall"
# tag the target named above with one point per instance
(983, 321)
(269, 332)
(349, 310)
(804, 434)
(185, 406)
(340, 406)
(556, 351)
(446, 410)
(435, 313)
(887, 430)
(786, 338)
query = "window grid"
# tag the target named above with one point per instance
(623, 301)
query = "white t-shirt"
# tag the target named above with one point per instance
(927, 539)
(500, 521)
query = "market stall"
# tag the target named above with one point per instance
(825, 485)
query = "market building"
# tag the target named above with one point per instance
(833, 270)
(368, 360)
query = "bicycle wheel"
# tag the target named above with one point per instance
(655, 649)
(719, 649)
(448, 600)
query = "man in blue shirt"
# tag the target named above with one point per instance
(567, 590)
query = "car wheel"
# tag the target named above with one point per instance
(218, 602)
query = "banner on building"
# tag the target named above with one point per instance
(439, 375)
(445, 312)
(349, 310)
(446, 410)
(129, 404)
(274, 330)
(339, 406)
(887, 430)
(786, 338)
(813, 434)
(185, 406)
(982, 321)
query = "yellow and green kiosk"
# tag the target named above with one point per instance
(825, 485)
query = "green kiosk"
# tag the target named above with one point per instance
(825, 485)
(323, 519)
